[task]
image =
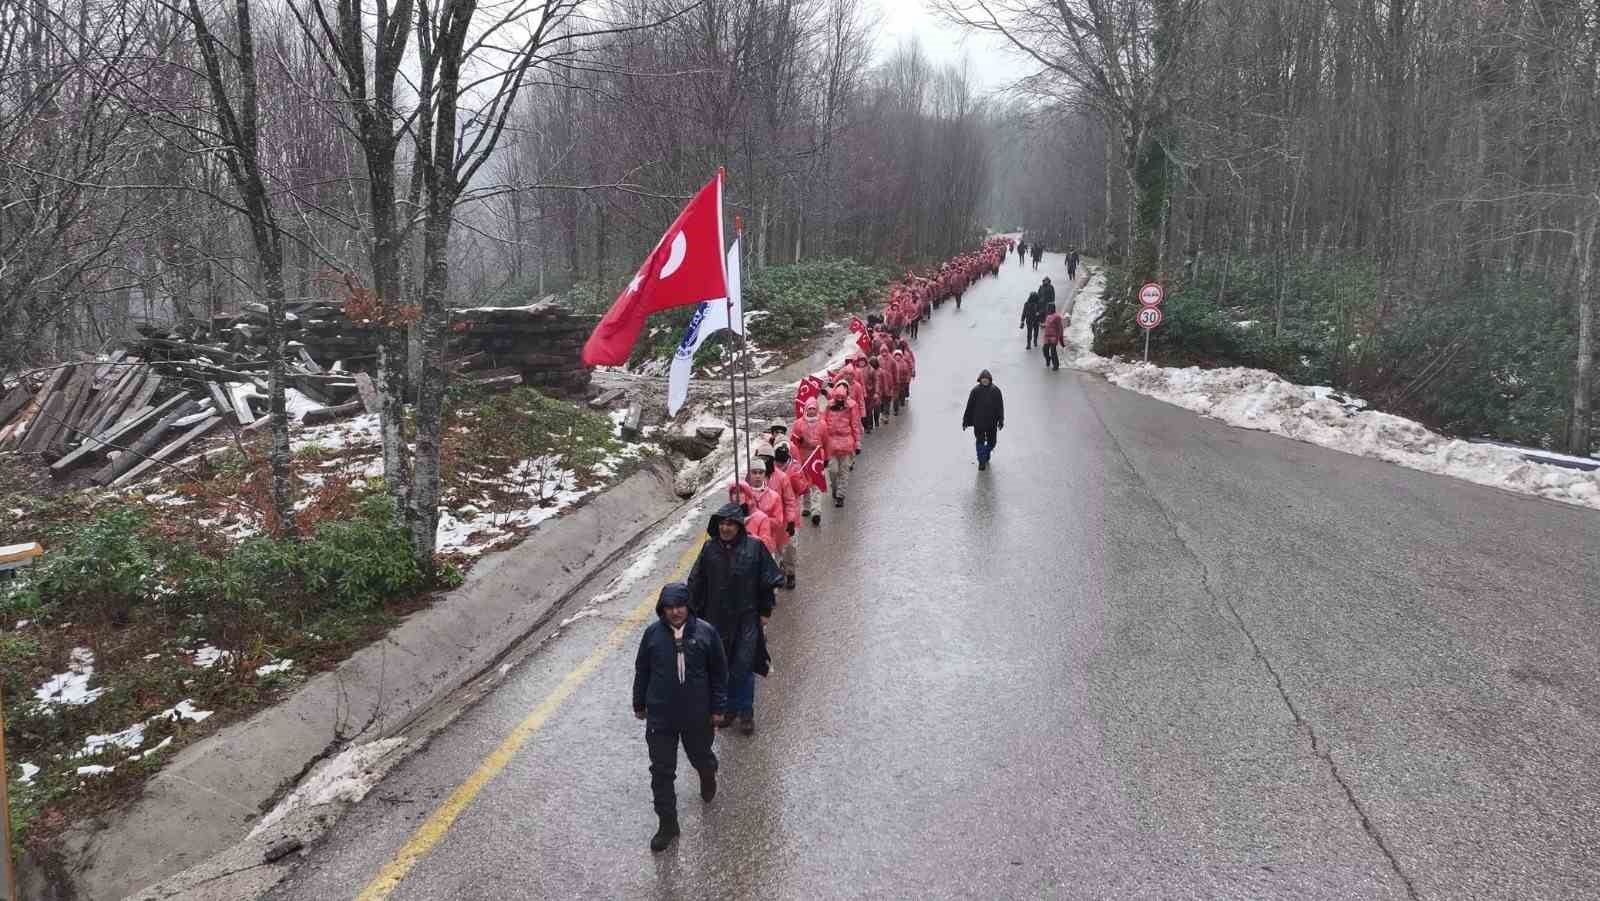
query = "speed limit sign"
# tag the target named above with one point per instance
(1149, 318)
(1152, 294)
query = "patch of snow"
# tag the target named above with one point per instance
(128, 739)
(275, 667)
(162, 746)
(149, 657)
(346, 778)
(28, 772)
(71, 688)
(207, 656)
(186, 711)
(95, 769)
(334, 436)
(1257, 399)
(585, 613)
(297, 404)
(23, 624)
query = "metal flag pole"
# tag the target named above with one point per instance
(744, 349)
(733, 400)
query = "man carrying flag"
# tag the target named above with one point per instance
(686, 267)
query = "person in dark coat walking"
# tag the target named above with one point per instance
(1038, 253)
(1047, 294)
(680, 690)
(733, 585)
(1032, 317)
(1072, 264)
(1022, 252)
(986, 416)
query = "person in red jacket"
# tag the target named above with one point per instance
(884, 370)
(867, 378)
(841, 424)
(778, 481)
(858, 390)
(897, 365)
(1055, 334)
(809, 433)
(911, 367)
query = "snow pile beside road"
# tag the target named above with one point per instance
(346, 778)
(1257, 399)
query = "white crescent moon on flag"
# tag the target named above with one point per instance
(680, 248)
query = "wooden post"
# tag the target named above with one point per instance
(8, 876)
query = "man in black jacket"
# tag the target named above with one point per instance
(1032, 317)
(1047, 293)
(733, 586)
(680, 690)
(986, 416)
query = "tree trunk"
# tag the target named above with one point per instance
(1578, 438)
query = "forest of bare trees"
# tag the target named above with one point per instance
(1407, 192)
(167, 162)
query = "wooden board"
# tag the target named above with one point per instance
(147, 393)
(47, 421)
(163, 454)
(115, 435)
(329, 414)
(78, 395)
(240, 395)
(113, 400)
(219, 399)
(15, 400)
(141, 448)
(13, 555)
(369, 393)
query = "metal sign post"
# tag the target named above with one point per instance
(1148, 318)
(8, 876)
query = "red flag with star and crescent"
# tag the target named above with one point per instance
(816, 469)
(810, 387)
(686, 267)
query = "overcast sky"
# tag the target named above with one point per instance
(992, 64)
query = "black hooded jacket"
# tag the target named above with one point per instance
(986, 408)
(656, 689)
(729, 581)
(1032, 310)
(1047, 294)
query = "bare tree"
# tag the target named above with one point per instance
(239, 139)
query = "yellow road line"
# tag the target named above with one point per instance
(433, 830)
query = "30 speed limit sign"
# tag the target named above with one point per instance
(1149, 318)
(1152, 294)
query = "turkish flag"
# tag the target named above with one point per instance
(816, 469)
(810, 387)
(686, 267)
(864, 342)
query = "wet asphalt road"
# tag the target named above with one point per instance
(1145, 656)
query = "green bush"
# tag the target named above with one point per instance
(363, 561)
(106, 564)
(796, 299)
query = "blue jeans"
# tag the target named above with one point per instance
(986, 442)
(742, 692)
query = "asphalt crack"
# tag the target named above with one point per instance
(1220, 601)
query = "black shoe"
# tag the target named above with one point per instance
(747, 723)
(665, 834)
(982, 465)
(708, 785)
(838, 502)
(816, 519)
(788, 581)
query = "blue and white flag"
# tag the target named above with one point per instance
(710, 317)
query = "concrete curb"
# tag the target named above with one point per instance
(215, 792)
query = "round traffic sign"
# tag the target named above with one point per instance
(1152, 294)
(1149, 317)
